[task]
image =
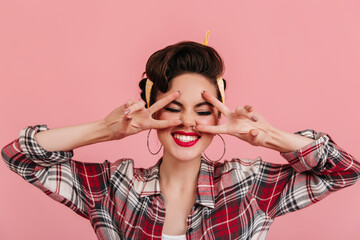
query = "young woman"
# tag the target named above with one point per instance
(184, 195)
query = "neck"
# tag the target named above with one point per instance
(179, 174)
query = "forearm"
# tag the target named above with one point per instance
(71, 137)
(283, 141)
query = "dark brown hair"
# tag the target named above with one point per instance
(177, 59)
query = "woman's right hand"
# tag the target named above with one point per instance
(133, 117)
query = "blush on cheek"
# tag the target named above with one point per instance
(210, 120)
(161, 115)
(168, 116)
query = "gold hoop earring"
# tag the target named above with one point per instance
(206, 157)
(148, 145)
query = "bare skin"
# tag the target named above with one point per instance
(179, 190)
(178, 206)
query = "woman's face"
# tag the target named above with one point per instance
(182, 142)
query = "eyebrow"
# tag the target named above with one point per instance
(197, 105)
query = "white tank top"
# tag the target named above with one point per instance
(172, 237)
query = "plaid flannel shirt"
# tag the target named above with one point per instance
(236, 199)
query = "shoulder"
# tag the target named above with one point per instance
(126, 177)
(127, 166)
(250, 166)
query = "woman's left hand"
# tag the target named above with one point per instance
(244, 123)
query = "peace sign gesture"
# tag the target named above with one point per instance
(244, 123)
(133, 117)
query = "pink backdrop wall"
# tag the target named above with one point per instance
(69, 62)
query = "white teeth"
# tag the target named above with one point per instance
(185, 138)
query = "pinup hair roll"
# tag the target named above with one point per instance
(180, 58)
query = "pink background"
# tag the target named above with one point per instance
(70, 62)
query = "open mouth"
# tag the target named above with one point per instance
(185, 139)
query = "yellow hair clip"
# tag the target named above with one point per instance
(220, 83)
(148, 87)
(206, 39)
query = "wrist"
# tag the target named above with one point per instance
(284, 141)
(100, 132)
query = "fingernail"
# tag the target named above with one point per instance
(254, 118)
(202, 91)
(126, 111)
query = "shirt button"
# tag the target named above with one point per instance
(190, 229)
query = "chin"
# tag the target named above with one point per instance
(186, 156)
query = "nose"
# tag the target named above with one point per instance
(188, 119)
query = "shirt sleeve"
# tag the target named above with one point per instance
(314, 171)
(76, 184)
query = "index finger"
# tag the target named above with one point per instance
(164, 101)
(219, 105)
(156, 124)
(212, 129)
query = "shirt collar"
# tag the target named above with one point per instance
(205, 185)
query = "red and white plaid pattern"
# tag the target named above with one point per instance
(236, 199)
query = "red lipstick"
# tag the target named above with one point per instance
(185, 144)
(186, 133)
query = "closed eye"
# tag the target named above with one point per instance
(171, 109)
(204, 113)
